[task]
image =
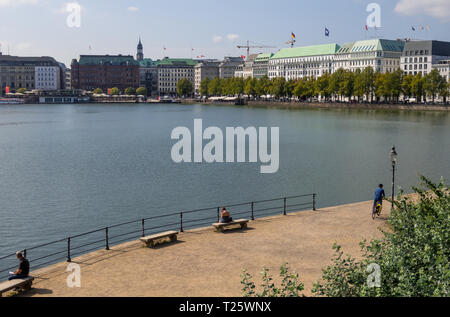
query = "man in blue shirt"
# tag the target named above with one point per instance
(379, 196)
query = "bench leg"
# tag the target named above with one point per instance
(244, 226)
(27, 286)
(173, 238)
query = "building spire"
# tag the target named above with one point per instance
(140, 50)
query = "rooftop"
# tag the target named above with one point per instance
(27, 61)
(177, 62)
(263, 57)
(378, 45)
(305, 51)
(106, 60)
(148, 62)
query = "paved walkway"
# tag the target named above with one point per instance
(205, 263)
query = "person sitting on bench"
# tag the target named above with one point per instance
(225, 216)
(23, 270)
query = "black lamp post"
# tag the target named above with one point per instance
(394, 162)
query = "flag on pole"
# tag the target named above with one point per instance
(367, 28)
(428, 28)
(413, 28)
(422, 28)
(243, 56)
(327, 32)
(293, 35)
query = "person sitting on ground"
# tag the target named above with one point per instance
(225, 216)
(23, 270)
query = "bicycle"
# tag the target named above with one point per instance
(377, 211)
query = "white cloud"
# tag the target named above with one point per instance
(11, 3)
(439, 9)
(133, 9)
(217, 38)
(233, 37)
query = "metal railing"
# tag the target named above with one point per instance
(76, 245)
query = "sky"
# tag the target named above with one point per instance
(209, 28)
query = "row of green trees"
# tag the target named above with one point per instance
(341, 84)
(141, 91)
(184, 88)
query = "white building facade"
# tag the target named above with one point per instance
(443, 67)
(421, 56)
(228, 67)
(171, 71)
(298, 62)
(47, 78)
(380, 54)
(205, 69)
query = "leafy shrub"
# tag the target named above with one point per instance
(289, 287)
(142, 91)
(130, 91)
(413, 255)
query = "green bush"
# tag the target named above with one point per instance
(413, 254)
(130, 91)
(141, 91)
(115, 91)
(289, 287)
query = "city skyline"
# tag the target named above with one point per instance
(206, 28)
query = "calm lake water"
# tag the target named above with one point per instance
(67, 169)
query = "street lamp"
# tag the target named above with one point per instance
(394, 162)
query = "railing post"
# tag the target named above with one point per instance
(25, 253)
(284, 207)
(253, 211)
(218, 214)
(143, 228)
(181, 222)
(68, 250)
(107, 238)
(314, 202)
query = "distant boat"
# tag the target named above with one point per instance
(167, 99)
(11, 101)
(241, 102)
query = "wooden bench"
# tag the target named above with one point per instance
(150, 240)
(24, 283)
(220, 227)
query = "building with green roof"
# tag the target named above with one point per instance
(104, 72)
(306, 61)
(148, 75)
(171, 71)
(380, 54)
(261, 65)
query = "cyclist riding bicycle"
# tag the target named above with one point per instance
(379, 196)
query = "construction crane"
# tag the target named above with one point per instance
(248, 47)
(291, 43)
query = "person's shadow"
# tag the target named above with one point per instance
(33, 291)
